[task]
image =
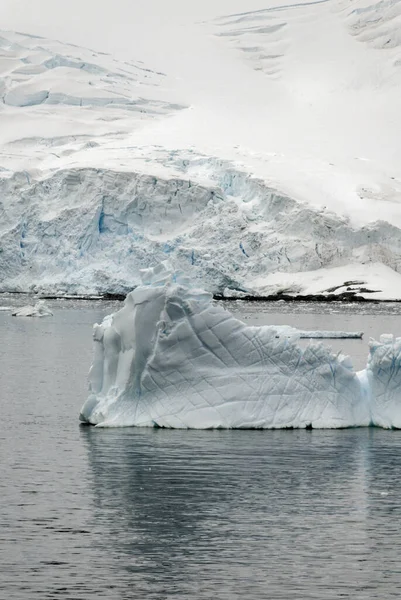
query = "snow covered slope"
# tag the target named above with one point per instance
(171, 358)
(253, 143)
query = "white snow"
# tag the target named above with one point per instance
(253, 142)
(172, 358)
(382, 282)
(40, 309)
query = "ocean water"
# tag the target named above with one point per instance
(155, 514)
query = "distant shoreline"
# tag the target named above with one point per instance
(345, 297)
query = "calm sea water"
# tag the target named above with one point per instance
(155, 514)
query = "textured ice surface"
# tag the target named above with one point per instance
(383, 374)
(87, 230)
(172, 358)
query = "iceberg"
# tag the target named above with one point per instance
(40, 309)
(173, 358)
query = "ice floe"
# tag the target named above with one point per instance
(40, 309)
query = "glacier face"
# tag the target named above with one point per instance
(90, 230)
(172, 358)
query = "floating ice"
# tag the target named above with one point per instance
(287, 330)
(172, 358)
(39, 310)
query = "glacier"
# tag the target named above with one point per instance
(173, 358)
(264, 159)
(85, 230)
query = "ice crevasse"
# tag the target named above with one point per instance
(173, 358)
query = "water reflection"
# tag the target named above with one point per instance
(234, 514)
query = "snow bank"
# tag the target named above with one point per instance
(36, 71)
(172, 358)
(372, 280)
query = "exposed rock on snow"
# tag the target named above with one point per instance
(40, 309)
(171, 358)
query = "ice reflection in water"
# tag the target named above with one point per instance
(245, 514)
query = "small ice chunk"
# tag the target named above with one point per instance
(40, 309)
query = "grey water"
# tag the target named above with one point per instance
(155, 514)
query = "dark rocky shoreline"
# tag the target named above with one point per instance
(344, 297)
(347, 296)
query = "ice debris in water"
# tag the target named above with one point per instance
(287, 330)
(40, 309)
(173, 358)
